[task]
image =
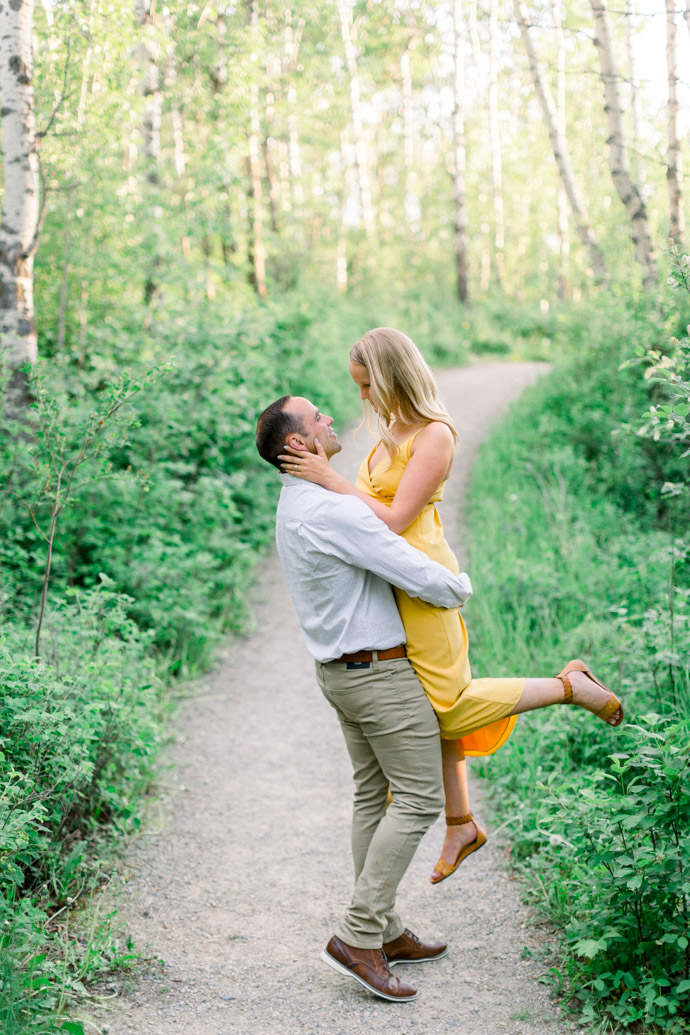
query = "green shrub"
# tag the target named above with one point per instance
(577, 521)
(79, 734)
(624, 867)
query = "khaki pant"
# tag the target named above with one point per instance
(392, 736)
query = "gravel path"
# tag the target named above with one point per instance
(245, 864)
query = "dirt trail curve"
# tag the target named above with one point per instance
(239, 879)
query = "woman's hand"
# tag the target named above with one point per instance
(313, 467)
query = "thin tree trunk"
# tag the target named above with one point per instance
(474, 34)
(674, 170)
(293, 38)
(269, 149)
(66, 255)
(150, 89)
(459, 154)
(178, 142)
(686, 14)
(560, 148)
(630, 24)
(344, 187)
(345, 13)
(411, 198)
(20, 228)
(496, 156)
(257, 254)
(618, 157)
(563, 237)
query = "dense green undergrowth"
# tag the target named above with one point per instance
(579, 518)
(142, 449)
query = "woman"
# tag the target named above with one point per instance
(402, 479)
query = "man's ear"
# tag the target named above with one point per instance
(296, 441)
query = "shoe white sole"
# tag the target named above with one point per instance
(327, 958)
(427, 959)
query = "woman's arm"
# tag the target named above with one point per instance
(430, 460)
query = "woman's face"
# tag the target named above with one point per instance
(360, 375)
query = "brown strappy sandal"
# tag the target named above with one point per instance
(446, 868)
(612, 707)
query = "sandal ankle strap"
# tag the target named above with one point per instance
(567, 689)
(458, 821)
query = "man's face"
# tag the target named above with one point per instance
(316, 425)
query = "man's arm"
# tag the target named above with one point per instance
(351, 531)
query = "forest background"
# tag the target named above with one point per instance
(205, 206)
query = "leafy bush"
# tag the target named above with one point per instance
(581, 552)
(623, 866)
(79, 733)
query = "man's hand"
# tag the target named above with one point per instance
(313, 467)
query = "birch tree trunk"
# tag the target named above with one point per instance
(66, 253)
(178, 142)
(19, 232)
(257, 254)
(630, 25)
(495, 142)
(674, 168)
(150, 89)
(686, 14)
(459, 153)
(293, 38)
(411, 198)
(365, 198)
(563, 238)
(560, 148)
(618, 157)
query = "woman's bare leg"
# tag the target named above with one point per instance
(540, 693)
(537, 693)
(457, 800)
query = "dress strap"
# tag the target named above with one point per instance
(407, 444)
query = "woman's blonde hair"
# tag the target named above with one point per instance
(401, 384)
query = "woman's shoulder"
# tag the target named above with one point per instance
(434, 435)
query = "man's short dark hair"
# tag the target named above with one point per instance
(272, 429)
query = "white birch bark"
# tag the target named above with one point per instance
(635, 110)
(344, 189)
(178, 142)
(293, 38)
(495, 143)
(149, 88)
(365, 197)
(20, 206)
(618, 156)
(257, 256)
(459, 153)
(411, 197)
(270, 144)
(686, 14)
(674, 168)
(474, 34)
(560, 148)
(563, 237)
(66, 254)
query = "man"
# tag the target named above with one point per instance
(339, 561)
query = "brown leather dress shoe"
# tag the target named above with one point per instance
(408, 948)
(370, 968)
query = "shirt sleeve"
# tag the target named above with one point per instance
(350, 530)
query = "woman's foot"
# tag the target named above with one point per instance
(589, 693)
(460, 841)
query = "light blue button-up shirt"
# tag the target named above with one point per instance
(339, 561)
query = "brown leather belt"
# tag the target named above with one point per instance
(368, 655)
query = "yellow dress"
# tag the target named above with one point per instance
(476, 711)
